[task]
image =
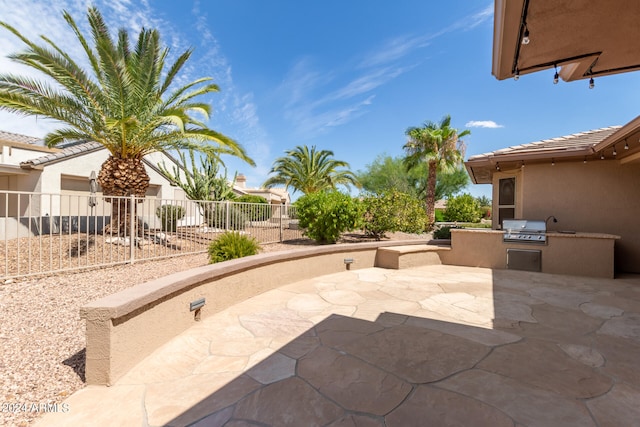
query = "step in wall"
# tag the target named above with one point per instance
(399, 257)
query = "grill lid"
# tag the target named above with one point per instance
(524, 226)
(524, 230)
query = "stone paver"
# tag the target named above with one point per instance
(438, 345)
(430, 406)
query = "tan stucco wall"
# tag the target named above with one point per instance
(582, 254)
(125, 327)
(601, 196)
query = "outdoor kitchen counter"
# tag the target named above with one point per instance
(579, 254)
(582, 235)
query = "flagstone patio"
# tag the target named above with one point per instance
(435, 345)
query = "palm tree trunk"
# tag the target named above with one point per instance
(123, 178)
(120, 225)
(431, 194)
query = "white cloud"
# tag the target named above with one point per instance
(395, 49)
(483, 124)
(315, 100)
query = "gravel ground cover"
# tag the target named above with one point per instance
(47, 253)
(42, 338)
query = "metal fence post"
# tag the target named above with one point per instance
(132, 230)
(226, 222)
(281, 223)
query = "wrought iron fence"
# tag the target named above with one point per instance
(42, 233)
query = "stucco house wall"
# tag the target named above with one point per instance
(588, 181)
(600, 196)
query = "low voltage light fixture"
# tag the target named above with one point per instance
(497, 166)
(556, 76)
(592, 83)
(348, 262)
(516, 76)
(626, 145)
(602, 155)
(553, 162)
(615, 152)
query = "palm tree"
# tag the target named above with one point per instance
(310, 171)
(441, 147)
(123, 102)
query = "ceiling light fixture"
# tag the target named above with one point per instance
(585, 160)
(626, 144)
(522, 165)
(592, 83)
(553, 162)
(525, 38)
(614, 150)
(602, 155)
(556, 76)
(497, 166)
(516, 76)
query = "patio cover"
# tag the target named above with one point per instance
(583, 38)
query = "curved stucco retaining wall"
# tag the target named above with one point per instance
(124, 328)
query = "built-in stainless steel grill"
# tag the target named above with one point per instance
(525, 231)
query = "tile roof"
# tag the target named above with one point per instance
(67, 151)
(573, 142)
(15, 137)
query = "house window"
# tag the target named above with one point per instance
(506, 199)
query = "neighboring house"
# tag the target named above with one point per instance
(60, 180)
(589, 181)
(61, 177)
(274, 196)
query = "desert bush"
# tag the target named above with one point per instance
(169, 216)
(326, 215)
(256, 209)
(393, 211)
(232, 245)
(443, 232)
(215, 215)
(463, 208)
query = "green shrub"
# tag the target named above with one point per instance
(256, 209)
(232, 245)
(215, 215)
(169, 216)
(251, 198)
(443, 232)
(326, 215)
(463, 208)
(439, 215)
(393, 211)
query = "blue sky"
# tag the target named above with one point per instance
(347, 76)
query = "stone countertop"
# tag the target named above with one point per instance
(582, 235)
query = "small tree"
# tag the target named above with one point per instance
(203, 184)
(256, 208)
(463, 208)
(169, 216)
(393, 211)
(326, 215)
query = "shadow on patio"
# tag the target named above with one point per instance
(562, 351)
(436, 345)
